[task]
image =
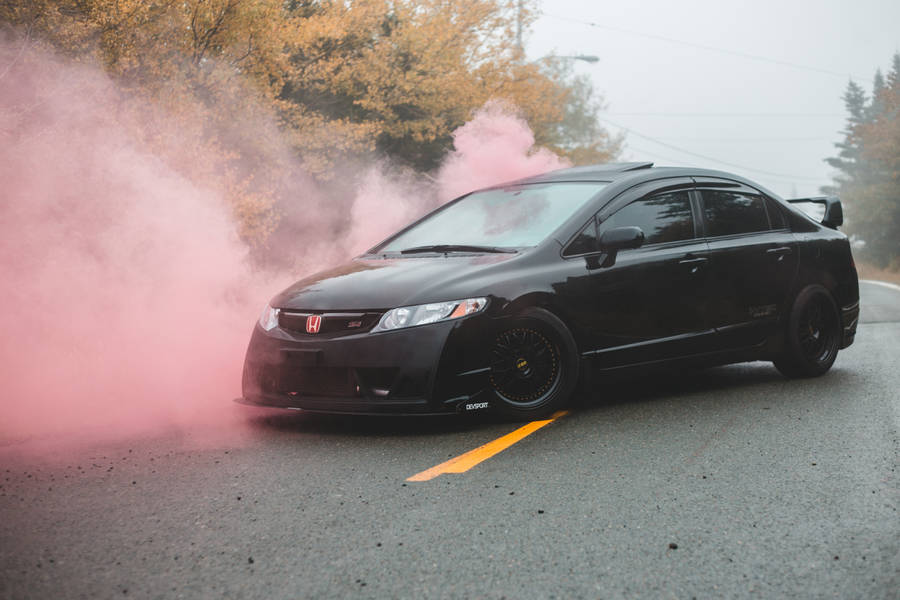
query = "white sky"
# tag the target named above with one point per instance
(777, 118)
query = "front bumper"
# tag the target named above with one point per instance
(438, 368)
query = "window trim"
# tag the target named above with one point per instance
(772, 202)
(565, 248)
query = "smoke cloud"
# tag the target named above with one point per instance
(128, 295)
(494, 147)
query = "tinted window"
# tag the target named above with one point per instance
(663, 218)
(728, 213)
(511, 217)
(776, 215)
(585, 242)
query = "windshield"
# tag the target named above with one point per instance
(512, 217)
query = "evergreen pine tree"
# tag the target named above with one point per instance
(850, 148)
(869, 166)
(878, 86)
(893, 78)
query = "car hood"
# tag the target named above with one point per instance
(369, 284)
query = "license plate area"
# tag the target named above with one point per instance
(318, 381)
(302, 358)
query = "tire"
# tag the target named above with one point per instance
(813, 335)
(534, 365)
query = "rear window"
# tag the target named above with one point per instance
(511, 217)
(730, 213)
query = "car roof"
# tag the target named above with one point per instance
(622, 176)
(601, 172)
(635, 171)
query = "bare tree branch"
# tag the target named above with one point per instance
(26, 41)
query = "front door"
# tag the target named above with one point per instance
(650, 304)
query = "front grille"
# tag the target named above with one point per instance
(333, 324)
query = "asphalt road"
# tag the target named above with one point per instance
(768, 488)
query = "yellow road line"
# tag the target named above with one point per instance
(464, 462)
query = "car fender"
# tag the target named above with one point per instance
(545, 300)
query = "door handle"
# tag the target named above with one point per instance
(694, 263)
(780, 252)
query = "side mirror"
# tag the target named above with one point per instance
(621, 238)
(613, 240)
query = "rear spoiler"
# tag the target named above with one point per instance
(834, 212)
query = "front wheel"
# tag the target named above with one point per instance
(534, 365)
(813, 335)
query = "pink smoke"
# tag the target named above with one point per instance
(127, 300)
(128, 297)
(494, 147)
(386, 200)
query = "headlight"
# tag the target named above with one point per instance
(410, 316)
(269, 318)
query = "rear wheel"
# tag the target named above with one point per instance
(813, 335)
(534, 365)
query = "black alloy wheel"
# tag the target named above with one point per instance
(816, 331)
(813, 335)
(533, 365)
(524, 366)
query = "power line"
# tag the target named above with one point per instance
(677, 162)
(705, 157)
(748, 140)
(746, 55)
(725, 114)
(660, 156)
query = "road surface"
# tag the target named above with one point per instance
(729, 482)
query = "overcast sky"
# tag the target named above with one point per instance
(773, 122)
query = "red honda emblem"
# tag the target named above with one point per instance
(313, 323)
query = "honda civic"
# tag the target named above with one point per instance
(508, 297)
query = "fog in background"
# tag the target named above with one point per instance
(775, 123)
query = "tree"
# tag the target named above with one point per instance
(893, 79)
(878, 86)
(340, 79)
(850, 148)
(578, 135)
(410, 72)
(869, 161)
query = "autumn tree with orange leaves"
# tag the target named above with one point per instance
(868, 166)
(390, 77)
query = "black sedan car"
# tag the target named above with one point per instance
(506, 298)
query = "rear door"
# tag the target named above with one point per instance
(650, 304)
(753, 261)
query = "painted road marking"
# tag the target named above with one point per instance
(464, 462)
(881, 283)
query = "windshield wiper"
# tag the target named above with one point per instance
(456, 248)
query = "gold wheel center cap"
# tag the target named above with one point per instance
(521, 364)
